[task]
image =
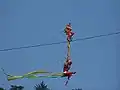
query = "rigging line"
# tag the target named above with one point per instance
(4, 72)
(46, 44)
(104, 35)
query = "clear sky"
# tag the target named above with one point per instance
(29, 22)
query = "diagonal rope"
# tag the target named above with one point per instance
(47, 44)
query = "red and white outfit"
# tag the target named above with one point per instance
(68, 31)
(67, 65)
(68, 74)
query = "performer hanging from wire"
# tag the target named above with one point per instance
(66, 72)
(66, 68)
(68, 31)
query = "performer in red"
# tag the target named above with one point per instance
(67, 65)
(68, 74)
(68, 31)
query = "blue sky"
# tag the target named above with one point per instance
(28, 22)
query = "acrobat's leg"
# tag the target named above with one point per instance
(68, 38)
(67, 81)
(71, 36)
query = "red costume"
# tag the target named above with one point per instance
(67, 65)
(68, 74)
(68, 31)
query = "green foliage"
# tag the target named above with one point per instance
(2, 88)
(14, 87)
(41, 86)
(77, 89)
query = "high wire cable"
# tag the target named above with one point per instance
(46, 44)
